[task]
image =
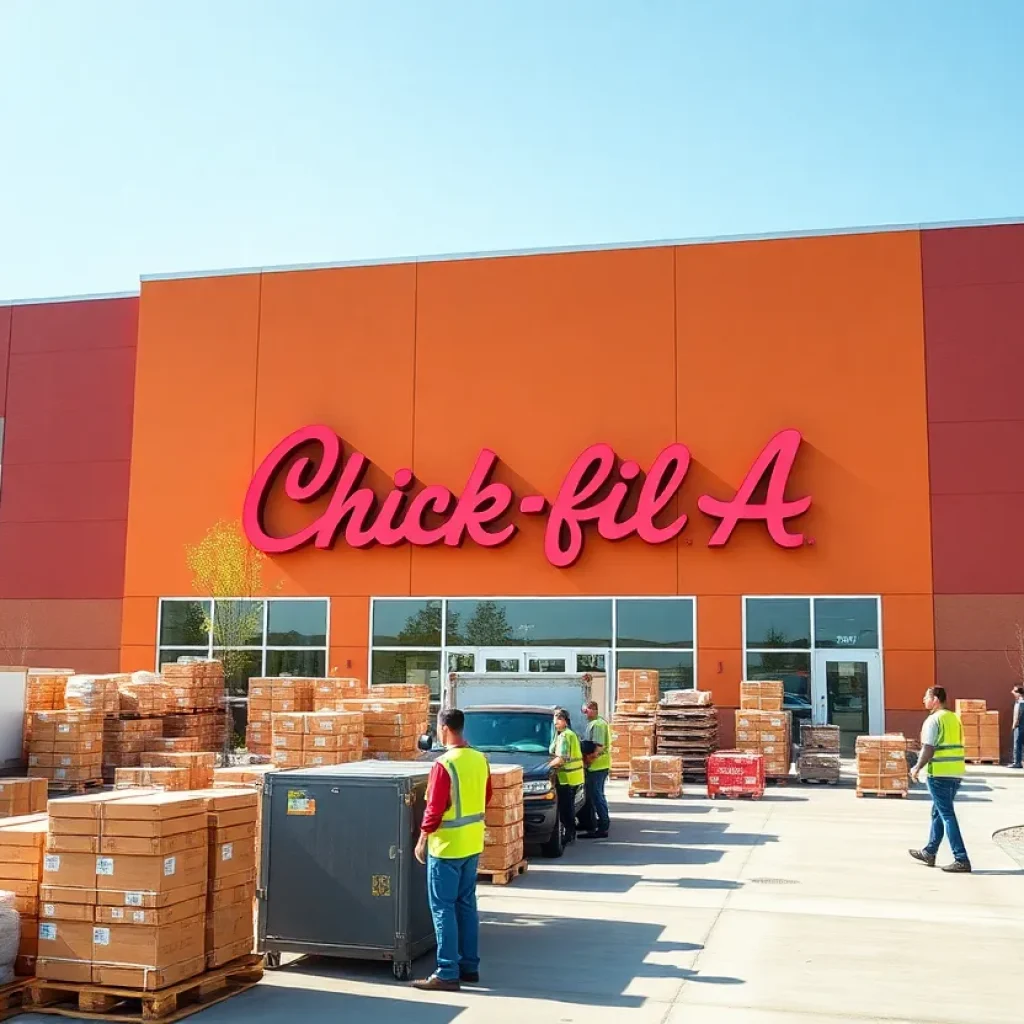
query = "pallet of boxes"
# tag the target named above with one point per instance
(502, 859)
(635, 720)
(394, 718)
(656, 776)
(313, 739)
(66, 748)
(981, 731)
(687, 728)
(137, 725)
(882, 768)
(22, 848)
(195, 703)
(124, 912)
(762, 727)
(819, 754)
(44, 691)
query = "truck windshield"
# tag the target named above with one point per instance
(497, 731)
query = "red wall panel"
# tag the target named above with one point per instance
(86, 490)
(79, 325)
(5, 351)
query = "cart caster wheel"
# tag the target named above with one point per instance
(402, 970)
(273, 961)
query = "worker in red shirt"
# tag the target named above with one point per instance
(451, 841)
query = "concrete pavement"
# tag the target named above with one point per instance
(803, 906)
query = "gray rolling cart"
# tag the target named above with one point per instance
(337, 875)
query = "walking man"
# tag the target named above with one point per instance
(568, 762)
(942, 754)
(451, 841)
(599, 763)
(1018, 727)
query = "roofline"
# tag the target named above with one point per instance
(593, 247)
(90, 297)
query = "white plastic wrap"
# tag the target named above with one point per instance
(10, 936)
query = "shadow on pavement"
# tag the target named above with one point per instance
(555, 881)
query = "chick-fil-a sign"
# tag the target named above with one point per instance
(595, 491)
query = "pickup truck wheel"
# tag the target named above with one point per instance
(555, 846)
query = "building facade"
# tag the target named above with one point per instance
(793, 457)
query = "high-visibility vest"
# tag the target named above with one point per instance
(461, 832)
(948, 759)
(600, 735)
(567, 747)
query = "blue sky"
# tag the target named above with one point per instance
(147, 137)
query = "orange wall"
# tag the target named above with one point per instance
(537, 357)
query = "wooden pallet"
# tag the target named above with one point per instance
(735, 794)
(100, 1002)
(779, 780)
(813, 781)
(648, 795)
(982, 760)
(13, 997)
(74, 788)
(881, 792)
(503, 877)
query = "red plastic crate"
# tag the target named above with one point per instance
(735, 773)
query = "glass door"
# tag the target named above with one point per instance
(847, 691)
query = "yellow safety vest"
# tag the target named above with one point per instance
(948, 759)
(599, 734)
(461, 832)
(567, 747)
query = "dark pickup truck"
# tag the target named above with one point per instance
(516, 734)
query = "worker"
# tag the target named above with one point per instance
(451, 841)
(942, 753)
(568, 762)
(1018, 727)
(598, 764)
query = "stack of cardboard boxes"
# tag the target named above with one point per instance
(882, 764)
(687, 727)
(768, 733)
(19, 797)
(311, 739)
(194, 686)
(656, 776)
(232, 822)
(124, 890)
(503, 831)
(125, 741)
(44, 691)
(819, 753)
(164, 780)
(762, 695)
(94, 693)
(981, 731)
(67, 748)
(144, 695)
(267, 697)
(199, 765)
(634, 724)
(207, 728)
(328, 692)
(22, 845)
(391, 728)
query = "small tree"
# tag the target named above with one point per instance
(16, 643)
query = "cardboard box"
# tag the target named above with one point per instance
(69, 871)
(228, 926)
(67, 911)
(129, 828)
(66, 894)
(65, 940)
(163, 779)
(147, 979)
(150, 900)
(164, 846)
(506, 776)
(496, 817)
(144, 946)
(19, 797)
(218, 899)
(151, 807)
(161, 917)
(503, 835)
(500, 858)
(129, 873)
(230, 859)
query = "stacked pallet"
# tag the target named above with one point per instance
(768, 733)
(44, 691)
(981, 731)
(819, 753)
(22, 844)
(687, 728)
(311, 739)
(67, 748)
(634, 722)
(125, 740)
(882, 764)
(199, 764)
(144, 695)
(419, 693)
(656, 776)
(231, 895)
(164, 780)
(502, 858)
(194, 685)
(19, 797)
(762, 695)
(287, 695)
(327, 692)
(94, 693)
(207, 728)
(242, 775)
(124, 890)
(171, 745)
(391, 728)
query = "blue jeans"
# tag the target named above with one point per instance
(943, 792)
(596, 799)
(451, 888)
(1018, 745)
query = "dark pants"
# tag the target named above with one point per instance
(567, 810)
(943, 790)
(596, 802)
(1018, 746)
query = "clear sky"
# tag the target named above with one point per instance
(148, 136)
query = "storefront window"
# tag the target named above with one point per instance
(793, 669)
(422, 667)
(653, 622)
(185, 624)
(300, 662)
(778, 622)
(529, 622)
(297, 624)
(846, 622)
(402, 623)
(238, 623)
(675, 668)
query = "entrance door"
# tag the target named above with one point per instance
(847, 691)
